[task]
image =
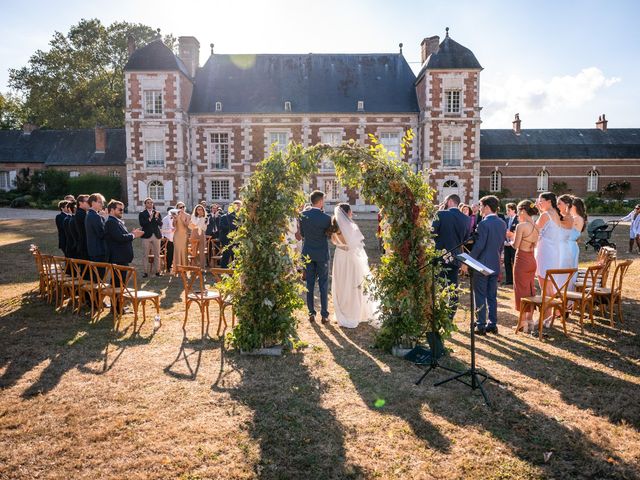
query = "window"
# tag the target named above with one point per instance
(361, 105)
(156, 190)
(153, 102)
(592, 181)
(220, 190)
(74, 174)
(280, 139)
(154, 154)
(452, 153)
(114, 173)
(218, 106)
(4, 181)
(287, 106)
(220, 151)
(543, 181)
(332, 190)
(495, 182)
(391, 142)
(450, 184)
(452, 98)
(330, 138)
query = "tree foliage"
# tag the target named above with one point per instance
(12, 111)
(79, 81)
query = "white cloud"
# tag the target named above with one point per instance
(534, 97)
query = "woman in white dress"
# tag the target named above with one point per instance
(351, 305)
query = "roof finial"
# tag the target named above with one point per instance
(447, 30)
(211, 45)
(400, 45)
(158, 33)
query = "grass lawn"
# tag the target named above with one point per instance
(78, 400)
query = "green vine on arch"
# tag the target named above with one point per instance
(266, 288)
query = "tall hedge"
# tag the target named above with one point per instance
(89, 183)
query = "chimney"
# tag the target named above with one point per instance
(101, 139)
(601, 124)
(428, 46)
(131, 45)
(516, 124)
(189, 53)
(27, 128)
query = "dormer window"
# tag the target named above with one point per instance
(452, 98)
(287, 106)
(361, 105)
(153, 102)
(218, 106)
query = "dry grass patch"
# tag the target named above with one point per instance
(81, 401)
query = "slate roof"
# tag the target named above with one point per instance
(560, 143)
(155, 56)
(62, 147)
(450, 56)
(313, 83)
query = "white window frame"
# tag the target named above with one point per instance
(333, 191)
(74, 174)
(452, 153)
(218, 106)
(543, 181)
(592, 181)
(495, 181)
(279, 134)
(153, 148)
(391, 146)
(5, 181)
(334, 139)
(452, 101)
(114, 173)
(153, 104)
(455, 182)
(221, 197)
(217, 151)
(155, 189)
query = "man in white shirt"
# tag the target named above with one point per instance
(167, 232)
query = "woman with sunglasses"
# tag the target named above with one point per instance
(634, 227)
(181, 224)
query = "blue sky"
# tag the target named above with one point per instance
(558, 63)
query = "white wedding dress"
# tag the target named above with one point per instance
(351, 305)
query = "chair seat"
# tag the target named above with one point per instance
(538, 300)
(602, 291)
(141, 294)
(101, 286)
(70, 282)
(576, 295)
(208, 295)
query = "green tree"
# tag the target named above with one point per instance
(79, 82)
(12, 111)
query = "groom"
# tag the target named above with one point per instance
(313, 228)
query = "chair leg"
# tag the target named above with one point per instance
(611, 309)
(186, 316)
(582, 309)
(540, 322)
(620, 317)
(208, 320)
(144, 311)
(202, 321)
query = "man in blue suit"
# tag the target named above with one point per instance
(451, 227)
(487, 249)
(314, 224)
(62, 239)
(94, 229)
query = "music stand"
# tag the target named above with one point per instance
(473, 373)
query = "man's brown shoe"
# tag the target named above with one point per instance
(325, 320)
(312, 318)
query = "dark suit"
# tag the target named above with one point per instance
(62, 239)
(509, 252)
(227, 225)
(119, 241)
(487, 250)
(71, 238)
(81, 234)
(313, 228)
(451, 228)
(213, 226)
(94, 227)
(150, 226)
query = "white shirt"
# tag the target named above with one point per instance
(168, 228)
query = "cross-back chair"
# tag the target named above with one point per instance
(585, 298)
(125, 281)
(195, 292)
(613, 296)
(223, 300)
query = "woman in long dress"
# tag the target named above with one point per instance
(180, 223)
(524, 240)
(198, 227)
(351, 304)
(570, 251)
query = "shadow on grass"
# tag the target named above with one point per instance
(298, 437)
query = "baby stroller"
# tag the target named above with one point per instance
(600, 233)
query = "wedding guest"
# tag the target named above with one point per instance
(71, 238)
(634, 227)
(569, 249)
(228, 224)
(81, 233)
(451, 228)
(198, 227)
(180, 236)
(524, 240)
(509, 252)
(476, 217)
(213, 230)
(167, 232)
(151, 223)
(94, 227)
(487, 249)
(578, 215)
(62, 239)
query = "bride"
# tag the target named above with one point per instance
(351, 304)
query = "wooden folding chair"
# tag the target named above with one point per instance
(50, 274)
(82, 277)
(99, 287)
(613, 295)
(195, 292)
(60, 268)
(585, 297)
(126, 279)
(71, 283)
(221, 299)
(213, 248)
(163, 254)
(556, 301)
(42, 276)
(606, 258)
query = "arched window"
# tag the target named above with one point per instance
(543, 181)
(450, 184)
(592, 181)
(495, 181)
(156, 190)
